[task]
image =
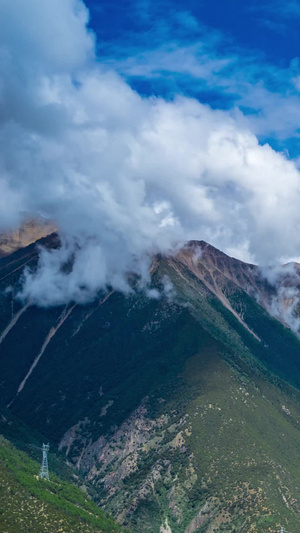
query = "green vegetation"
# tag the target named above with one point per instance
(29, 504)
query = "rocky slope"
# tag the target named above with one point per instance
(277, 289)
(183, 411)
(29, 232)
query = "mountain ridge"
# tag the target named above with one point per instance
(30, 231)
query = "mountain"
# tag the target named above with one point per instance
(182, 411)
(28, 232)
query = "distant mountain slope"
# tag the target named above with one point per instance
(28, 503)
(183, 411)
(222, 275)
(30, 231)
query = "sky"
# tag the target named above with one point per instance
(227, 54)
(138, 125)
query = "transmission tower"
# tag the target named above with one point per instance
(44, 472)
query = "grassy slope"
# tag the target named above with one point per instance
(28, 504)
(245, 440)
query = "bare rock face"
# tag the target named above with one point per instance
(276, 289)
(222, 274)
(30, 231)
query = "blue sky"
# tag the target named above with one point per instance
(270, 27)
(231, 55)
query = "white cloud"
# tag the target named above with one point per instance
(284, 300)
(44, 36)
(124, 176)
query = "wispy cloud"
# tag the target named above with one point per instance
(277, 15)
(189, 58)
(172, 58)
(280, 8)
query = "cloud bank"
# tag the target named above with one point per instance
(124, 176)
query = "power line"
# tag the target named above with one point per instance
(27, 444)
